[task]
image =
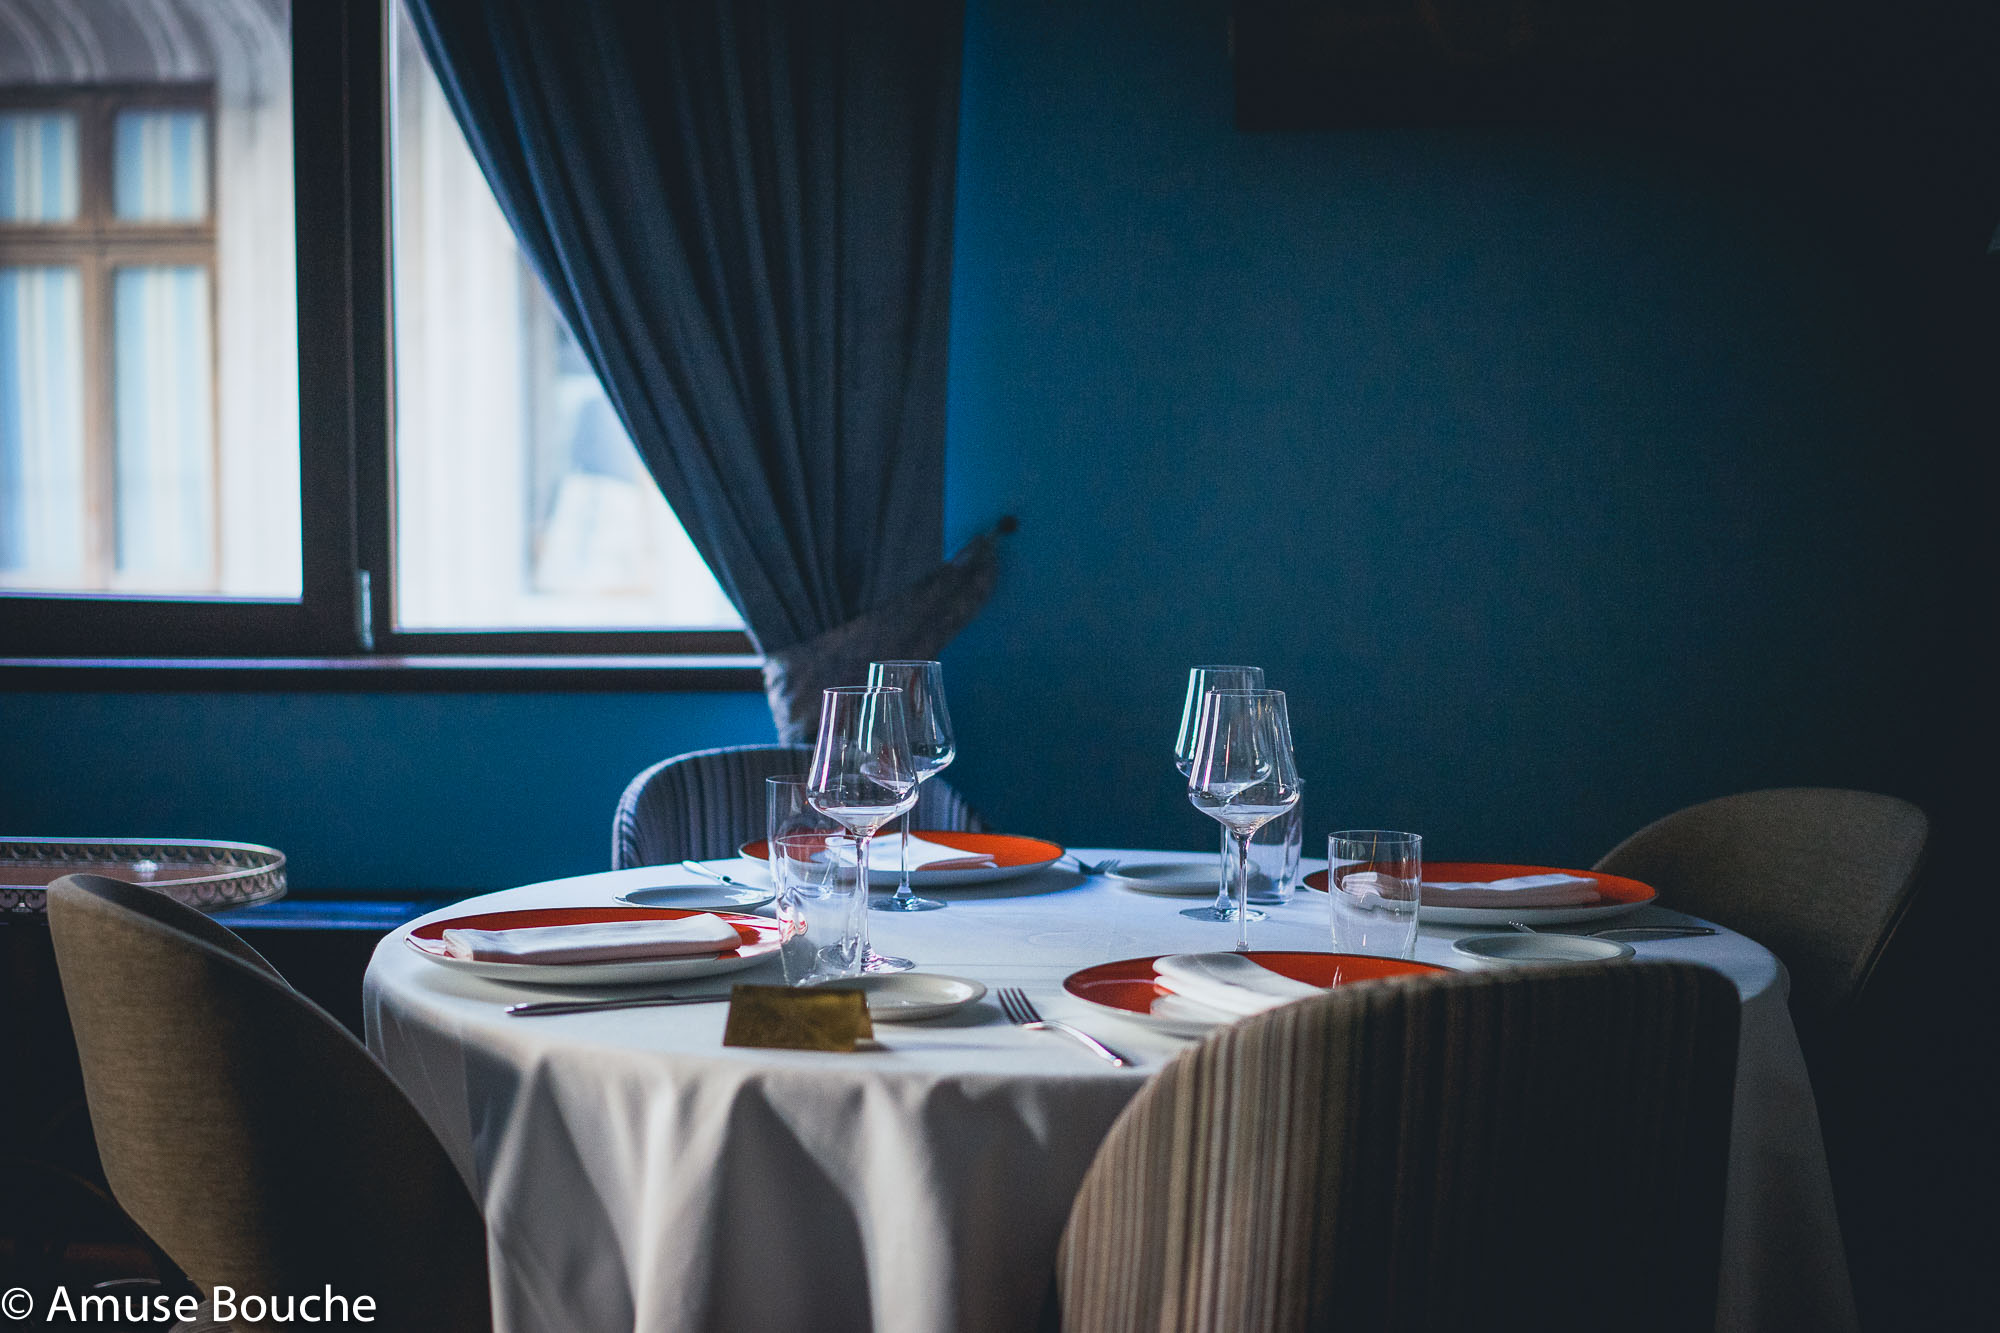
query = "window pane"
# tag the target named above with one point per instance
(160, 166)
(42, 508)
(183, 472)
(37, 166)
(520, 501)
(165, 429)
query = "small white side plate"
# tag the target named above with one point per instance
(700, 894)
(1173, 879)
(1496, 950)
(905, 997)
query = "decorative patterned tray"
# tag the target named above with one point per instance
(207, 875)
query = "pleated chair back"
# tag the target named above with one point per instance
(1820, 876)
(246, 1131)
(709, 803)
(1540, 1148)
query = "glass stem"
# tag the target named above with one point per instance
(1242, 892)
(903, 889)
(859, 908)
(1222, 877)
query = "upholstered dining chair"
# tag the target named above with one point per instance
(710, 802)
(1818, 875)
(245, 1130)
(1537, 1148)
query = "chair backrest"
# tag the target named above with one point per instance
(1818, 875)
(177, 915)
(247, 1132)
(709, 803)
(1542, 1147)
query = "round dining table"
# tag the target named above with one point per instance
(636, 1174)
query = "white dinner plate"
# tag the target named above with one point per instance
(1172, 879)
(759, 937)
(1616, 896)
(1500, 950)
(906, 997)
(1012, 855)
(700, 895)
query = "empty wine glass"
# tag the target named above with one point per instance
(862, 777)
(1201, 680)
(931, 750)
(1244, 774)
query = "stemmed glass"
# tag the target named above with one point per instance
(1201, 680)
(1243, 775)
(931, 751)
(862, 777)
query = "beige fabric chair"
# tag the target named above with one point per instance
(1539, 1148)
(245, 1130)
(1819, 876)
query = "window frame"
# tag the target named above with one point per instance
(343, 623)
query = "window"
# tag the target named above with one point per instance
(520, 502)
(256, 409)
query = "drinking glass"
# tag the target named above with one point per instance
(1274, 859)
(1201, 680)
(1374, 878)
(862, 777)
(822, 926)
(931, 750)
(1244, 775)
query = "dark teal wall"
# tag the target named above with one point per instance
(387, 792)
(1560, 481)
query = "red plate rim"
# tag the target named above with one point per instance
(1006, 849)
(1611, 889)
(1128, 983)
(429, 937)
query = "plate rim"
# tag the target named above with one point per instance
(1189, 1026)
(746, 954)
(884, 875)
(1490, 916)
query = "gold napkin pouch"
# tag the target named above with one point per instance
(791, 1019)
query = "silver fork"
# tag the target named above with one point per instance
(1021, 1012)
(1101, 868)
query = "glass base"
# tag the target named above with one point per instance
(909, 904)
(1214, 913)
(884, 962)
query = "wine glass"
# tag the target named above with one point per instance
(931, 750)
(862, 777)
(1243, 774)
(1201, 680)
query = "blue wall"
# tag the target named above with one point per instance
(389, 792)
(1561, 483)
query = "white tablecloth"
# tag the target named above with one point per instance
(635, 1174)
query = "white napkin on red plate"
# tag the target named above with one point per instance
(596, 941)
(924, 855)
(1517, 891)
(1228, 982)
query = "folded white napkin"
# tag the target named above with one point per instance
(1519, 891)
(923, 855)
(1228, 982)
(596, 942)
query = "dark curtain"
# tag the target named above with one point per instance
(743, 208)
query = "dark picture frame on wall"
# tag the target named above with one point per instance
(1377, 64)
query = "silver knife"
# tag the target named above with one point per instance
(536, 1008)
(700, 869)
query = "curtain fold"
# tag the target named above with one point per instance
(743, 208)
